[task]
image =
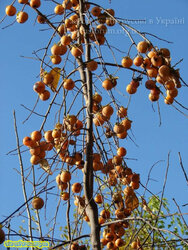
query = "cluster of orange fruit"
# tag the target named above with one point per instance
(104, 113)
(22, 16)
(37, 148)
(62, 181)
(70, 30)
(39, 88)
(157, 66)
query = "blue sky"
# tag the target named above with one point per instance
(168, 20)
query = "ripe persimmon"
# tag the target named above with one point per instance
(59, 9)
(146, 63)
(70, 160)
(100, 39)
(68, 23)
(44, 96)
(37, 203)
(10, 10)
(23, 1)
(126, 62)
(107, 110)
(65, 196)
(122, 135)
(153, 98)
(110, 21)
(119, 242)
(109, 236)
(135, 83)
(76, 187)
(58, 179)
(56, 133)
(35, 4)
(157, 61)
(165, 52)
(169, 99)
(134, 245)
(169, 85)
(77, 50)
(55, 49)
(36, 135)
(135, 185)
(96, 11)
(173, 92)
(138, 61)
(27, 141)
(131, 89)
(150, 84)
(118, 128)
(75, 3)
(152, 72)
(128, 191)
(35, 151)
(66, 40)
(102, 18)
(110, 12)
(119, 213)
(160, 80)
(92, 65)
(39, 87)
(126, 123)
(101, 29)
(74, 246)
(48, 136)
(65, 176)
(164, 71)
(71, 119)
(103, 241)
(107, 84)
(61, 29)
(98, 119)
(67, 4)
(105, 214)
(117, 160)
(56, 59)
(143, 46)
(21, 17)
(98, 199)
(63, 186)
(110, 245)
(35, 159)
(48, 78)
(122, 112)
(152, 53)
(121, 151)
(41, 19)
(97, 98)
(155, 91)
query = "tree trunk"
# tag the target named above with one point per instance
(86, 77)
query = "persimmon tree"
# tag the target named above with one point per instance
(83, 152)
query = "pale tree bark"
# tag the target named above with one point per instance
(86, 77)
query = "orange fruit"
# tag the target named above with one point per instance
(35, 3)
(92, 65)
(36, 135)
(39, 87)
(127, 62)
(10, 10)
(44, 96)
(21, 17)
(143, 46)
